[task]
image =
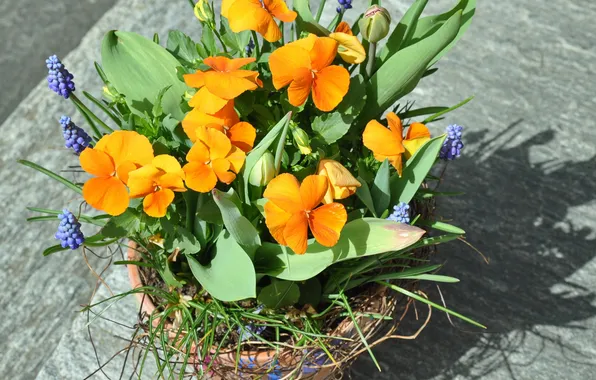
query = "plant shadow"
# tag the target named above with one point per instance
(516, 213)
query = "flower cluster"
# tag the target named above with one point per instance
(344, 5)
(452, 145)
(59, 79)
(69, 231)
(401, 213)
(75, 138)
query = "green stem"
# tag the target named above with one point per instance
(257, 47)
(225, 49)
(90, 114)
(190, 197)
(370, 63)
(320, 10)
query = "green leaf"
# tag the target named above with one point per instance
(401, 73)
(236, 41)
(421, 112)
(183, 239)
(363, 192)
(443, 112)
(380, 191)
(255, 154)
(310, 292)
(53, 249)
(404, 30)
(122, 225)
(157, 109)
(306, 20)
(52, 175)
(101, 105)
(403, 189)
(441, 226)
(182, 47)
(359, 238)
(279, 294)
(230, 276)
(208, 39)
(241, 229)
(432, 277)
(139, 69)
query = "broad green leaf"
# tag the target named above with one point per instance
(403, 189)
(306, 20)
(279, 294)
(230, 276)
(122, 225)
(445, 111)
(238, 226)
(401, 73)
(363, 192)
(359, 238)
(441, 226)
(255, 154)
(236, 41)
(380, 190)
(52, 175)
(403, 31)
(208, 40)
(182, 47)
(139, 69)
(182, 239)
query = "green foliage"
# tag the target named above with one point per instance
(380, 190)
(306, 21)
(279, 294)
(139, 69)
(364, 193)
(230, 275)
(52, 175)
(126, 224)
(235, 41)
(403, 31)
(183, 48)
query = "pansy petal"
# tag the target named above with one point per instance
(227, 86)
(97, 163)
(242, 135)
(313, 190)
(225, 7)
(196, 80)
(300, 87)
(329, 87)
(199, 177)
(106, 194)
(142, 181)
(350, 49)
(276, 219)
(221, 167)
(225, 64)
(279, 9)
(284, 62)
(198, 153)
(296, 233)
(126, 146)
(417, 130)
(305, 43)
(250, 15)
(174, 182)
(236, 158)
(284, 191)
(219, 144)
(156, 204)
(395, 125)
(343, 27)
(250, 75)
(413, 145)
(206, 102)
(323, 53)
(381, 140)
(395, 160)
(124, 169)
(167, 163)
(326, 223)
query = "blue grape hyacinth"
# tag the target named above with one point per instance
(59, 79)
(69, 231)
(344, 5)
(401, 213)
(75, 137)
(452, 145)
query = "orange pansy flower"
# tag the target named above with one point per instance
(257, 15)
(293, 207)
(389, 143)
(350, 49)
(212, 158)
(110, 161)
(304, 65)
(342, 183)
(222, 83)
(157, 182)
(226, 120)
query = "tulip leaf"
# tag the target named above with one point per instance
(380, 191)
(441, 226)
(139, 69)
(306, 20)
(245, 234)
(359, 238)
(403, 31)
(417, 167)
(279, 294)
(400, 74)
(230, 276)
(363, 192)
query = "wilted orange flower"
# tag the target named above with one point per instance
(389, 144)
(350, 49)
(305, 66)
(257, 15)
(110, 161)
(225, 81)
(342, 183)
(212, 158)
(157, 182)
(226, 120)
(292, 208)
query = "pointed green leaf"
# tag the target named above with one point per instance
(182, 47)
(404, 30)
(441, 226)
(363, 192)
(306, 20)
(445, 111)
(380, 191)
(52, 175)
(53, 249)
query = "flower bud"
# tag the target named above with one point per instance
(204, 12)
(263, 171)
(375, 24)
(301, 139)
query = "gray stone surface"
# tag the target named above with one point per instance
(528, 173)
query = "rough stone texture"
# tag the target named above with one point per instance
(528, 173)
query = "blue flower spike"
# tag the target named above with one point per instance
(344, 5)
(401, 213)
(69, 231)
(75, 137)
(59, 79)
(452, 145)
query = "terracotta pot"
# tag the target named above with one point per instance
(273, 366)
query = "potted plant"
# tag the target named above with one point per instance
(277, 223)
